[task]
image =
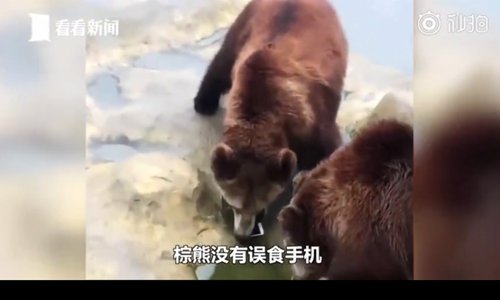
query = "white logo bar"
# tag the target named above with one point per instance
(40, 28)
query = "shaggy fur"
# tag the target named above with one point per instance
(457, 200)
(356, 206)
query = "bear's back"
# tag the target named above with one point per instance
(308, 32)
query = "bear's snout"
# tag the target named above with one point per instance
(243, 225)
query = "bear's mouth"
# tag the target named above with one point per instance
(258, 228)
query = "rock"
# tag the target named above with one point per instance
(362, 74)
(140, 209)
(112, 152)
(357, 106)
(391, 106)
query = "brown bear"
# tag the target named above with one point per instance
(283, 63)
(356, 207)
(457, 198)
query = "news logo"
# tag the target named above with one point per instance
(41, 28)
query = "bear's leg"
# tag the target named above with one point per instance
(216, 82)
(331, 140)
(320, 147)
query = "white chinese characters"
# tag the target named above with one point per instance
(243, 255)
(92, 27)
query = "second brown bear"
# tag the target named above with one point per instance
(356, 207)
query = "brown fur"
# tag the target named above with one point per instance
(356, 206)
(283, 63)
(457, 200)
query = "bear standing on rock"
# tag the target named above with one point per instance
(283, 64)
(356, 207)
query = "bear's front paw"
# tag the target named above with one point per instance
(205, 107)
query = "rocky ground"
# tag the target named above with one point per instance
(148, 183)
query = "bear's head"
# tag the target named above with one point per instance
(250, 183)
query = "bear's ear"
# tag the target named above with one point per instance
(286, 163)
(224, 163)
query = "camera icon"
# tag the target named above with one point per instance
(429, 23)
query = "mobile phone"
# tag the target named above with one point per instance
(258, 230)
